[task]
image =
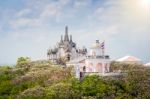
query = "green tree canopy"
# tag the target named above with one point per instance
(23, 61)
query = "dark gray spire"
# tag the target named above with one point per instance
(66, 38)
(70, 38)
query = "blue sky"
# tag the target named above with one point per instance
(30, 27)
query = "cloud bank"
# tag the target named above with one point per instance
(29, 28)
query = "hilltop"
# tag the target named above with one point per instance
(45, 80)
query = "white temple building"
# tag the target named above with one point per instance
(96, 62)
(66, 48)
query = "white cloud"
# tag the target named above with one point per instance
(0, 28)
(132, 23)
(50, 10)
(24, 12)
(107, 15)
(31, 16)
(25, 23)
(64, 2)
(109, 31)
(36, 25)
(80, 3)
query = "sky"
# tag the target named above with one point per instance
(30, 27)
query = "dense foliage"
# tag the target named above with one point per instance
(44, 80)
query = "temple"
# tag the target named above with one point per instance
(96, 62)
(65, 49)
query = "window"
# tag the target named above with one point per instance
(84, 68)
(99, 67)
(90, 67)
(93, 53)
(106, 68)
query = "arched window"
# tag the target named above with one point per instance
(99, 67)
(93, 53)
(90, 67)
(106, 68)
(84, 68)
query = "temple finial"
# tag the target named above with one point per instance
(66, 38)
(66, 29)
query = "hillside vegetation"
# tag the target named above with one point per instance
(44, 80)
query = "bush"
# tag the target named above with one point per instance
(23, 61)
(46, 80)
(32, 93)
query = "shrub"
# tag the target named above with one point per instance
(23, 61)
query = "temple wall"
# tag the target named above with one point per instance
(97, 65)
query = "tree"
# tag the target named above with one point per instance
(138, 83)
(60, 91)
(61, 61)
(93, 86)
(23, 61)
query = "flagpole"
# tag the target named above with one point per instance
(102, 47)
(103, 52)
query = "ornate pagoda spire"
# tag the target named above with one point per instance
(66, 38)
(70, 38)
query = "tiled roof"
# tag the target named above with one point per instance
(129, 59)
(147, 64)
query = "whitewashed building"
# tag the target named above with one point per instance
(66, 48)
(96, 62)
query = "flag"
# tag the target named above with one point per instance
(103, 45)
(103, 48)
